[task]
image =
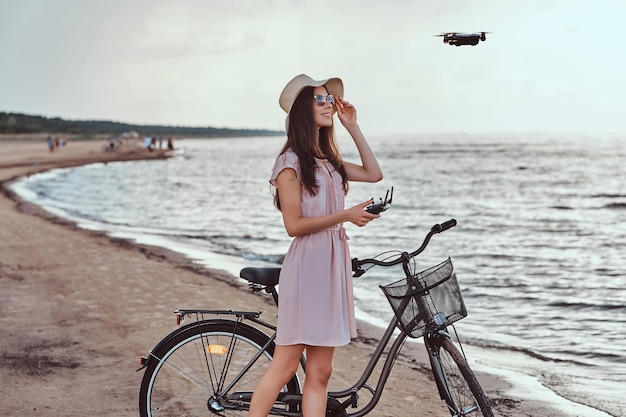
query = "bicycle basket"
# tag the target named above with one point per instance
(427, 301)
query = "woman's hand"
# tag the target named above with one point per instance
(368, 170)
(358, 216)
(345, 111)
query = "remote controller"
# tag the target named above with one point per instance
(377, 208)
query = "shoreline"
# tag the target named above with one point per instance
(133, 308)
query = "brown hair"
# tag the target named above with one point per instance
(301, 128)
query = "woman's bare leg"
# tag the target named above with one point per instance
(282, 368)
(319, 367)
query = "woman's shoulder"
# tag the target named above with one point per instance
(290, 153)
(287, 159)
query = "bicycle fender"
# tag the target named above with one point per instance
(147, 360)
(431, 341)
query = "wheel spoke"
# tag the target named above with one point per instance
(185, 374)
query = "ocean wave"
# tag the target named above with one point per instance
(609, 272)
(609, 357)
(615, 206)
(606, 195)
(526, 351)
(273, 259)
(579, 305)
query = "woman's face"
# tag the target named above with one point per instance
(323, 114)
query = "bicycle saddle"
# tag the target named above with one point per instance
(263, 276)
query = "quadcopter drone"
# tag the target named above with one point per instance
(459, 39)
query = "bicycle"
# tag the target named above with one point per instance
(211, 365)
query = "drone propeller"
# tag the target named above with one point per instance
(454, 33)
(483, 36)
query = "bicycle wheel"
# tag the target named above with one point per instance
(457, 384)
(196, 370)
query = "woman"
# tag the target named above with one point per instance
(316, 310)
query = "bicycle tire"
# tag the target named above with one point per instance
(187, 375)
(457, 383)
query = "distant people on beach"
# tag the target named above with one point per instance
(158, 142)
(113, 145)
(54, 143)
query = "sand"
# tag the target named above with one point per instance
(79, 308)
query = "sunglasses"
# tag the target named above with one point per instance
(321, 100)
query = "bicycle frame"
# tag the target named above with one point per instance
(367, 372)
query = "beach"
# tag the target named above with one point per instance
(79, 308)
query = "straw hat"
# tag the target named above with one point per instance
(295, 86)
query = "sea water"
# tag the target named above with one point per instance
(539, 248)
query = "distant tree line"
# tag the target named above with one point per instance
(16, 123)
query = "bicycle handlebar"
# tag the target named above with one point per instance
(437, 228)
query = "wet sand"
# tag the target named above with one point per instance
(78, 309)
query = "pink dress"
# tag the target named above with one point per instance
(316, 302)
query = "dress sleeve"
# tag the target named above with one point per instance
(286, 160)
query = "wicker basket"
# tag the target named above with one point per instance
(435, 289)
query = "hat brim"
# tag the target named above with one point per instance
(334, 86)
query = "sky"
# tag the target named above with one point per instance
(547, 66)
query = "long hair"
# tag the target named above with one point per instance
(301, 132)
